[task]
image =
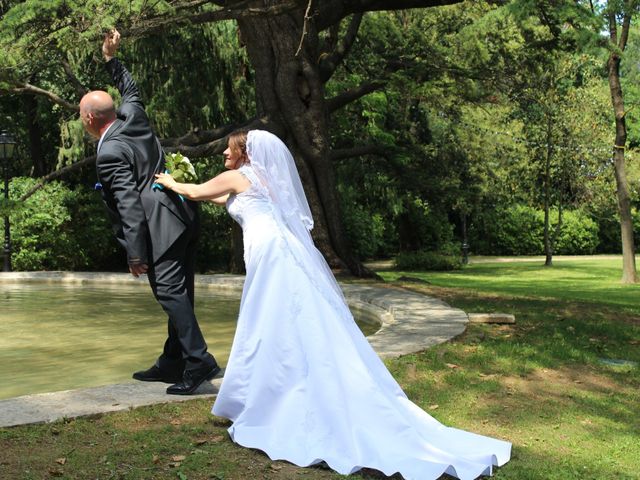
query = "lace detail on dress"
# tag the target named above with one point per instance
(257, 188)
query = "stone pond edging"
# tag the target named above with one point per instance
(409, 322)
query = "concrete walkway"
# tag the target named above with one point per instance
(410, 322)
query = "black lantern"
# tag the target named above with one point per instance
(7, 147)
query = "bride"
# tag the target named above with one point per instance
(302, 383)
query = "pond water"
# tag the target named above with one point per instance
(60, 337)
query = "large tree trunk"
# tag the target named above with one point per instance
(629, 274)
(291, 94)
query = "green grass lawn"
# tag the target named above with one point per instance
(593, 280)
(540, 384)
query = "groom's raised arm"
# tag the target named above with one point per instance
(121, 77)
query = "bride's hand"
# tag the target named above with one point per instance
(165, 180)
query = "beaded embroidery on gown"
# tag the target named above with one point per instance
(303, 384)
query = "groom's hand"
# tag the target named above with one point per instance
(110, 44)
(138, 269)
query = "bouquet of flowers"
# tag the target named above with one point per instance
(180, 168)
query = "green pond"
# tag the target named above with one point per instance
(60, 337)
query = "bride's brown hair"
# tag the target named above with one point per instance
(238, 142)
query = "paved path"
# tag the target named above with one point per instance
(409, 321)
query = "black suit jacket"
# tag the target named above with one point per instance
(146, 221)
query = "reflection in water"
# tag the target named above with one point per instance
(60, 337)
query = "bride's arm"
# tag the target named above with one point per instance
(223, 184)
(222, 200)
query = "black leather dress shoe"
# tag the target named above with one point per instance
(192, 379)
(154, 374)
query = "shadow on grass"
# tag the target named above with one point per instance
(539, 383)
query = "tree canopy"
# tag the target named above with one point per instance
(415, 124)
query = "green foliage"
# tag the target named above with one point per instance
(609, 240)
(196, 77)
(424, 227)
(214, 244)
(515, 230)
(59, 228)
(426, 260)
(465, 120)
(365, 231)
(72, 144)
(630, 80)
(578, 235)
(518, 230)
(9, 206)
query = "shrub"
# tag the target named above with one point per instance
(215, 247)
(422, 227)
(62, 228)
(59, 228)
(609, 239)
(425, 260)
(515, 230)
(578, 235)
(519, 230)
(366, 230)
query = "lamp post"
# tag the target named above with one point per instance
(7, 145)
(465, 241)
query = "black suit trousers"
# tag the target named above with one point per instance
(172, 280)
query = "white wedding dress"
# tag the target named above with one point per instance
(303, 384)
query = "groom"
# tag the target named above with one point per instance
(157, 228)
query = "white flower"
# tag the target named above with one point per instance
(180, 168)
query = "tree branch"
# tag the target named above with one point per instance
(77, 85)
(331, 39)
(58, 173)
(626, 24)
(330, 62)
(332, 11)
(198, 137)
(28, 89)
(191, 5)
(197, 140)
(305, 27)
(613, 28)
(352, 95)
(154, 24)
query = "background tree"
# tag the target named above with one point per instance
(618, 16)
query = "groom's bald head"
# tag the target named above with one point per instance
(97, 112)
